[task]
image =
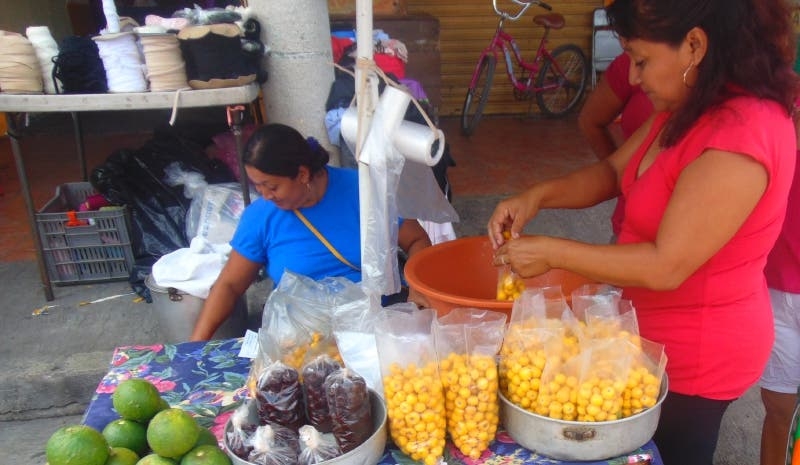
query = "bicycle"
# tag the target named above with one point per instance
(561, 75)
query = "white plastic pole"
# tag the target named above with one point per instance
(366, 96)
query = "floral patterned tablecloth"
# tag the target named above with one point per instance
(207, 379)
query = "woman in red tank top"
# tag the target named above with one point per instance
(705, 180)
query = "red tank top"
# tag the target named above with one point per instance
(717, 325)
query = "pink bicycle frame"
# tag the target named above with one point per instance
(505, 42)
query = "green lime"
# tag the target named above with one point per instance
(155, 459)
(206, 455)
(77, 445)
(127, 433)
(206, 437)
(122, 456)
(137, 399)
(172, 433)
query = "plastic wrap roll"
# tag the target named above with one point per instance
(419, 143)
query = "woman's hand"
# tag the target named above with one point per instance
(526, 255)
(511, 215)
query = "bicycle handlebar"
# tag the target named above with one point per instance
(525, 4)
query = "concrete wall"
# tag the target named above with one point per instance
(17, 15)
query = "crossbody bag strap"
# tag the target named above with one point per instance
(324, 241)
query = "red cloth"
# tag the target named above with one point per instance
(635, 112)
(717, 325)
(390, 64)
(338, 46)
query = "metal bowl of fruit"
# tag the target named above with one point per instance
(578, 440)
(368, 453)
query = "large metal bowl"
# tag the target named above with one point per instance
(575, 440)
(368, 453)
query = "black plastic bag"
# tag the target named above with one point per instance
(158, 211)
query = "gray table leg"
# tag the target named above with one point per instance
(78, 129)
(14, 137)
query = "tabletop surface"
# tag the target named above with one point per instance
(207, 379)
(50, 103)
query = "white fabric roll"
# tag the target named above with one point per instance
(46, 48)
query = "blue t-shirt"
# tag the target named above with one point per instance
(266, 234)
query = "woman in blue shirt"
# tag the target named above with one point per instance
(296, 185)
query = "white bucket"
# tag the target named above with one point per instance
(177, 313)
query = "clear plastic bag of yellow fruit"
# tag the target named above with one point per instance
(604, 321)
(467, 343)
(412, 385)
(588, 387)
(643, 383)
(546, 307)
(589, 295)
(525, 352)
(509, 285)
(297, 322)
(542, 304)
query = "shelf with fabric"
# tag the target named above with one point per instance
(236, 99)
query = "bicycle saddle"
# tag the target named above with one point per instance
(551, 20)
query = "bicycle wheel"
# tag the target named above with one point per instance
(566, 73)
(477, 95)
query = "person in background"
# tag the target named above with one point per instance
(781, 378)
(706, 181)
(613, 97)
(296, 185)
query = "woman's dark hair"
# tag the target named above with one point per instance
(280, 150)
(751, 49)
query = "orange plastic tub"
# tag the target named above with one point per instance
(460, 273)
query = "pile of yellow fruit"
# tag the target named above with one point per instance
(295, 356)
(536, 375)
(415, 406)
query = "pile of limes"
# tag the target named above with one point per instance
(148, 432)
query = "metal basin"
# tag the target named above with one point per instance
(368, 453)
(575, 440)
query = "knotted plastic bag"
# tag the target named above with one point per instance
(316, 447)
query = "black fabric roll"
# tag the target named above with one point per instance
(214, 53)
(79, 68)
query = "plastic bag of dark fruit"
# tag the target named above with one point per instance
(350, 408)
(279, 396)
(314, 374)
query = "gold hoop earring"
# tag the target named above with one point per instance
(685, 73)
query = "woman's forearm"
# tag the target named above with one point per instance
(589, 186)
